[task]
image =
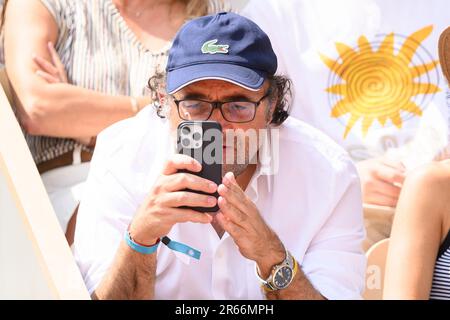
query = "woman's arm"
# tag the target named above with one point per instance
(61, 109)
(417, 232)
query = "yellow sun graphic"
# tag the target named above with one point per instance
(379, 84)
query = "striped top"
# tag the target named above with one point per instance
(440, 289)
(99, 52)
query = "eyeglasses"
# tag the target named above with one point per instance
(232, 111)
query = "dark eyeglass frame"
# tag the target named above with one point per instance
(219, 104)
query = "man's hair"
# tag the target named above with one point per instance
(280, 91)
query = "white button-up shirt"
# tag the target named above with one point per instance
(313, 203)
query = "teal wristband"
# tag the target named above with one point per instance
(137, 247)
(181, 247)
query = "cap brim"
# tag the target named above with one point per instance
(444, 53)
(244, 77)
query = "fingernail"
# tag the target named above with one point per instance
(222, 188)
(212, 186)
(211, 200)
(230, 177)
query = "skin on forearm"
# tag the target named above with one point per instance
(64, 110)
(131, 277)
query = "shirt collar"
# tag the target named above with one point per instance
(267, 163)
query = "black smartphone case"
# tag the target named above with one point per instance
(212, 172)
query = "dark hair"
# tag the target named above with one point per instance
(280, 91)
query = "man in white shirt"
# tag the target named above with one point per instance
(366, 73)
(287, 231)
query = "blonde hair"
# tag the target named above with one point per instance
(196, 8)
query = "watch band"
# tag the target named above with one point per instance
(269, 288)
(267, 285)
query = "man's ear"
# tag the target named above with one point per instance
(163, 107)
(162, 98)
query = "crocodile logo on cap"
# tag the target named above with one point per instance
(212, 48)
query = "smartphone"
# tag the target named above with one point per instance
(202, 140)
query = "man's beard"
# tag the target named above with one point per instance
(239, 164)
(237, 169)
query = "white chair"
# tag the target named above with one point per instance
(376, 262)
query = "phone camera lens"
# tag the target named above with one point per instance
(196, 136)
(186, 143)
(186, 130)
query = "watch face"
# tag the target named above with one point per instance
(282, 277)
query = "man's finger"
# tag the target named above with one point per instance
(233, 229)
(181, 162)
(177, 215)
(181, 181)
(188, 199)
(232, 213)
(232, 192)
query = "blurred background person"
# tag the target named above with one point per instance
(77, 67)
(418, 262)
(366, 73)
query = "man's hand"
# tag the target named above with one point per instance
(240, 217)
(381, 181)
(160, 211)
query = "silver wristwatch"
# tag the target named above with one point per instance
(281, 275)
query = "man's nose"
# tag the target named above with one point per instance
(217, 116)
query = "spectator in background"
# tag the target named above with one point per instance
(418, 262)
(365, 72)
(79, 66)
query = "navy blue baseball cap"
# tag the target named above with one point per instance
(225, 46)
